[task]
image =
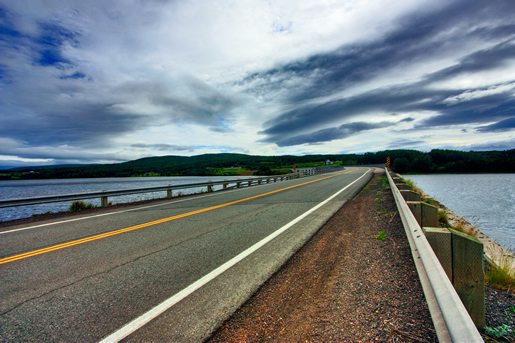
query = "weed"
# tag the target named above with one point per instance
(79, 205)
(442, 217)
(377, 200)
(499, 331)
(510, 311)
(431, 201)
(384, 182)
(501, 274)
(383, 212)
(460, 226)
(379, 193)
(381, 235)
(413, 186)
(365, 188)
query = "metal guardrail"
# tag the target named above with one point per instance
(450, 318)
(105, 194)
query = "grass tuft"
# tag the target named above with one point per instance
(501, 274)
(381, 236)
(80, 205)
(442, 217)
(460, 226)
(413, 186)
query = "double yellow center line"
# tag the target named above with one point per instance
(140, 226)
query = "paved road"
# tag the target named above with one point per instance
(84, 280)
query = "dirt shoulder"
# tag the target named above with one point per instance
(343, 285)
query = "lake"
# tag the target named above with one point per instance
(485, 200)
(36, 188)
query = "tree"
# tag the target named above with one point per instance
(400, 165)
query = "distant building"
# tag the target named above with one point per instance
(328, 162)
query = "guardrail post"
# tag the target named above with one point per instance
(169, 193)
(468, 276)
(267, 180)
(259, 181)
(209, 188)
(225, 185)
(249, 183)
(238, 184)
(403, 187)
(440, 240)
(410, 196)
(425, 214)
(103, 202)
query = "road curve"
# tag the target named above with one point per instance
(89, 279)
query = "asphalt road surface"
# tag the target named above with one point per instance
(171, 271)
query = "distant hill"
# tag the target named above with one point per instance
(403, 161)
(24, 169)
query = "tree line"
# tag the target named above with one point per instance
(402, 161)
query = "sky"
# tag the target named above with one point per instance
(111, 81)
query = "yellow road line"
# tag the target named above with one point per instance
(136, 227)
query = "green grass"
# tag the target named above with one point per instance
(80, 205)
(365, 188)
(413, 186)
(501, 274)
(443, 218)
(381, 235)
(499, 331)
(384, 182)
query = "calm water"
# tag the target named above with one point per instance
(484, 200)
(36, 188)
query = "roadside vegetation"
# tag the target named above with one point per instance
(80, 205)
(501, 274)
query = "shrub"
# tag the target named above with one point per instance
(381, 236)
(80, 205)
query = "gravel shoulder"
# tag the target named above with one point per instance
(343, 285)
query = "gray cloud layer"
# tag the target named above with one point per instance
(415, 39)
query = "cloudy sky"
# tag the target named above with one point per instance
(109, 81)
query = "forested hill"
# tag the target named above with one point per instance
(403, 161)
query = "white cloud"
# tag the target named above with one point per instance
(477, 94)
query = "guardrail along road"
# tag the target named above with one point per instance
(171, 271)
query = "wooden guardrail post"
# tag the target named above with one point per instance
(468, 276)
(238, 184)
(209, 188)
(425, 214)
(225, 185)
(103, 202)
(169, 194)
(440, 240)
(411, 196)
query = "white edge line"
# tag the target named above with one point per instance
(129, 210)
(137, 323)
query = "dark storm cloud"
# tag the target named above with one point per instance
(164, 147)
(403, 143)
(503, 125)
(330, 134)
(90, 125)
(414, 39)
